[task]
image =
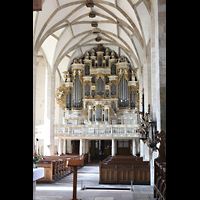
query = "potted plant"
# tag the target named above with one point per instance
(36, 158)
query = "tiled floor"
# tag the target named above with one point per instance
(89, 174)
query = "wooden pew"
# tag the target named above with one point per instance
(55, 167)
(160, 168)
(124, 169)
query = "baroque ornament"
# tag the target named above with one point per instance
(60, 96)
(94, 82)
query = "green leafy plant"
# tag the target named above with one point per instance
(36, 158)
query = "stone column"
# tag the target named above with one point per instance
(59, 146)
(113, 147)
(81, 147)
(137, 146)
(69, 146)
(162, 60)
(158, 62)
(84, 146)
(100, 153)
(141, 148)
(133, 147)
(64, 146)
(49, 112)
(34, 94)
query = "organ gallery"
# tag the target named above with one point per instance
(99, 89)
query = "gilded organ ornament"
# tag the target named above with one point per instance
(100, 80)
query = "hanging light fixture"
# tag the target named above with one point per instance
(89, 4)
(96, 31)
(94, 24)
(92, 14)
(98, 39)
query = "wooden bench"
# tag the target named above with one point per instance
(55, 167)
(160, 168)
(124, 169)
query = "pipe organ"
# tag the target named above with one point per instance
(100, 85)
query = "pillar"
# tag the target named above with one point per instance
(133, 147)
(100, 153)
(81, 147)
(59, 146)
(69, 146)
(141, 148)
(84, 147)
(34, 95)
(49, 112)
(113, 147)
(64, 146)
(137, 146)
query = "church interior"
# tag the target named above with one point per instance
(99, 96)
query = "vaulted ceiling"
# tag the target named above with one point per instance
(63, 31)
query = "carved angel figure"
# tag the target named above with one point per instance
(120, 71)
(80, 60)
(132, 75)
(60, 95)
(107, 51)
(93, 52)
(87, 55)
(80, 72)
(113, 54)
(75, 60)
(74, 72)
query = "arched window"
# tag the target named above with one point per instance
(107, 93)
(106, 79)
(68, 100)
(113, 69)
(93, 79)
(87, 90)
(87, 70)
(113, 89)
(77, 92)
(123, 92)
(113, 106)
(100, 86)
(107, 62)
(93, 63)
(98, 114)
(93, 93)
(100, 62)
(132, 99)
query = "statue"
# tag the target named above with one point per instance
(113, 54)
(74, 72)
(107, 51)
(80, 60)
(92, 52)
(68, 78)
(132, 75)
(87, 55)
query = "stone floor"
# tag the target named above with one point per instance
(89, 176)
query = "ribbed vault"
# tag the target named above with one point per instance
(63, 30)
